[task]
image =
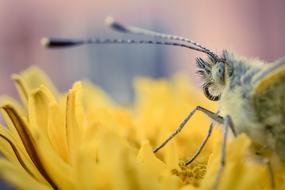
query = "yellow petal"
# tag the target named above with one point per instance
(39, 102)
(57, 131)
(171, 156)
(113, 156)
(27, 140)
(61, 173)
(17, 156)
(6, 117)
(148, 159)
(13, 135)
(74, 118)
(18, 177)
(38, 147)
(93, 97)
(31, 79)
(86, 168)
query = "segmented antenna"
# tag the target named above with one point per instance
(62, 43)
(140, 31)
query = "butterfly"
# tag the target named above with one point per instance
(250, 92)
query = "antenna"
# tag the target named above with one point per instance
(180, 41)
(140, 31)
(64, 42)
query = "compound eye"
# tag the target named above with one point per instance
(218, 73)
(208, 92)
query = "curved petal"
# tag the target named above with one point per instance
(38, 147)
(19, 177)
(31, 79)
(10, 149)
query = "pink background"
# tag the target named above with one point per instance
(253, 28)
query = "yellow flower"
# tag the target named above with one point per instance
(83, 140)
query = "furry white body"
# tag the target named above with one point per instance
(241, 101)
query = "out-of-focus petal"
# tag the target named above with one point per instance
(31, 79)
(19, 178)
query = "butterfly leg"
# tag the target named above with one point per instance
(210, 114)
(207, 138)
(202, 144)
(227, 124)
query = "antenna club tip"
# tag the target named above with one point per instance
(45, 42)
(109, 21)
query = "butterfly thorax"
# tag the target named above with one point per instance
(254, 97)
(236, 99)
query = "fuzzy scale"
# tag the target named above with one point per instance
(259, 114)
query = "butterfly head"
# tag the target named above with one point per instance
(215, 72)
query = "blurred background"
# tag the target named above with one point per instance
(253, 28)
